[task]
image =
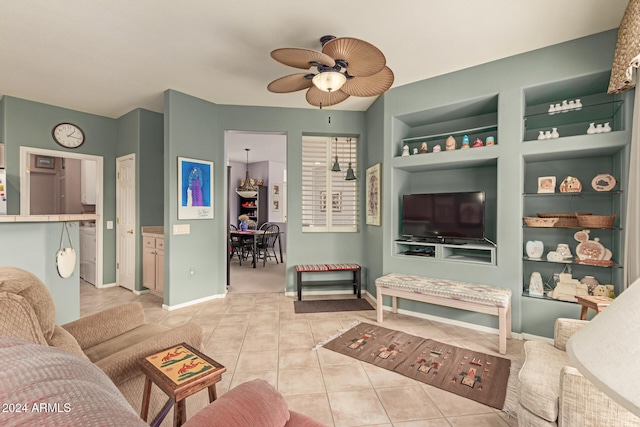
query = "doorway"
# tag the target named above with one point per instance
(26, 185)
(267, 165)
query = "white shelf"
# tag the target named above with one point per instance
(475, 253)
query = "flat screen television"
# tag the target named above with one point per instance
(444, 217)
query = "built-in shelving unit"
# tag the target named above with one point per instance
(480, 253)
(255, 207)
(583, 156)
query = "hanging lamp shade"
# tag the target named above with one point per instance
(246, 189)
(350, 174)
(336, 165)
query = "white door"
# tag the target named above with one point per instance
(126, 221)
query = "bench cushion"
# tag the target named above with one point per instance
(310, 268)
(469, 292)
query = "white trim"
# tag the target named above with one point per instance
(25, 195)
(137, 292)
(107, 285)
(194, 302)
(530, 337)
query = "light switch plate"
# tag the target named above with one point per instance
(182, 229)
(109, 225)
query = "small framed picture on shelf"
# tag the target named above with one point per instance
(275, 205)
(546, 184)
(45, 162)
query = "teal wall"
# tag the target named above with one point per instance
(28, 123)
(33, 247)
(506, 78)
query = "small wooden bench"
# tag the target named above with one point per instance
(465, 296)
(328, 268)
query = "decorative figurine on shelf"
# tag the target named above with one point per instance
(567, 288)
(405, 150)
(415, 150)
(604, 291)
(607, 128)
(563, 249)
(591, 251)
(552, 109)
(599, 128)
(554, 133)
(591, 283)
(536, 288)
(578, 105)
(592, 129)
(534, 249)
(489, 141)
(244, 222)
(541, 135)
(437, 148)
(465, 142)
(450, 144)
(477, 143)
(423, 148)
(570, 184)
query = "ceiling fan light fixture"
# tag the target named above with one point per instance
(329, 81)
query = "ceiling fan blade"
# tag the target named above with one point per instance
(363, 58)
(301, 58)
(290, 83)
(370, 85)
(320, 98)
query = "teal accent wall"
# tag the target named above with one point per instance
(32, 246)
(506, 78)
(29, 123)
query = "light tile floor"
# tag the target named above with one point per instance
(260, 336)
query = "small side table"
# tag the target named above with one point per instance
(179, 371)
(598, 303)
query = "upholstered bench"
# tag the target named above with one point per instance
(328, 268)
(465, 296)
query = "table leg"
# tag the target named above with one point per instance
(213, 395)
(583, 312)
(163, 413)
(356, 274)
(299, 283)
(146, 396)
(255, 246)
(179, 414)
(280, 247)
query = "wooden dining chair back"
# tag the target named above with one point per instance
(235, 245)
(267, 244)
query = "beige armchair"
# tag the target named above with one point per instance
(553, 393)
(112, 339)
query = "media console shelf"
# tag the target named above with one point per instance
(477, 253)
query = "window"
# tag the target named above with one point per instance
(329, 202)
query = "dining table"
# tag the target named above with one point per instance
(254, 235)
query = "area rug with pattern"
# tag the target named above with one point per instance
(477, 376)
(330, 305)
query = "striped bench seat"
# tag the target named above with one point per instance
(466, 296)
(328, 268)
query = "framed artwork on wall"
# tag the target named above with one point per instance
(373, 192)
(195, 189)
(275, 189)
(275, 205)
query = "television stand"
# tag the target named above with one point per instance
(469, 252)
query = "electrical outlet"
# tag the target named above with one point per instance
(191, 273)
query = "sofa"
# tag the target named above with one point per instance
(43, 385)
(112, 339)
(551, 392)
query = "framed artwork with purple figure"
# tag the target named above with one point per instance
(195, 189)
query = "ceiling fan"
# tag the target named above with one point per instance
(345, 67)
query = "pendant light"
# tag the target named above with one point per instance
(350, 175)
(336, 165)
(246, 189)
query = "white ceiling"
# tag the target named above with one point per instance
(109, 57)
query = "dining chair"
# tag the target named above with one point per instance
(268, 241)
(235, 245)
(264, 226)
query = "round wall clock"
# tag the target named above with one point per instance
(68, 135)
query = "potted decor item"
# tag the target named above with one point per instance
(243, 222)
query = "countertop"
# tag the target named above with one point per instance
(49, 218)
(156, 231)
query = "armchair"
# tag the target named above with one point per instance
(112, 339)
(551, 392)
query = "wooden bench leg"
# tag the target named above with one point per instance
(299, 282)
(394, 305)
(356, 280)
(379, 305)
(504, 327)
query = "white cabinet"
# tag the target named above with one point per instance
(153, 264)
(88, 182)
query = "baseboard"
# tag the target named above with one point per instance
(194, 302)
(142, 292)
(530, 337)
(107, 285)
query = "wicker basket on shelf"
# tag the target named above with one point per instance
(565, 219)
(596, 221)
(539, 222)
